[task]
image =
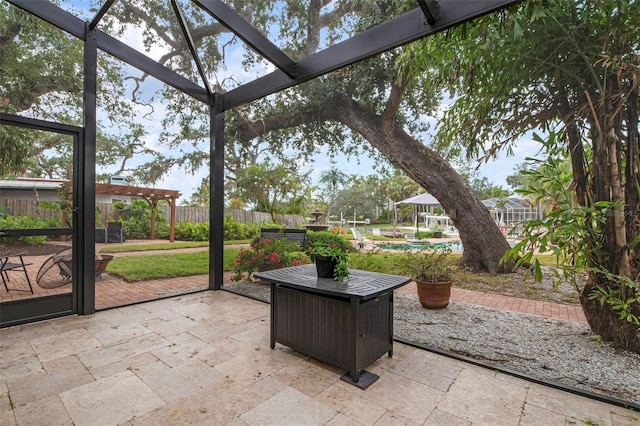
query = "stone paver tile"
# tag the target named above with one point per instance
(216, 357)
(249, 367)
(7, 417)
(483, 400)
(214, 405)
(573, 406)
(267, 387)
(244, 311)
(422, 367)
(308, 377)
(16, 350)
(534, 416)
(143, 362)
(406, 398)
(289, 407)
(73, 322)
(25, 333)
(125, 315)
(64, 344)
(198, 311)
(47, 411)
(161, 309)
(69, 373)
(108, 334)
(177, 353)
(170, 327)
(625, 418)
(400, 353)
(220, 330)
(354, 406)
(509, 378)
(236, 422)
(110, 401)
(257, 337)
(19, 367)
(341, 420)
(392, 418)
(230, 346)
(107, 355)
(442, 418)
(183, 380)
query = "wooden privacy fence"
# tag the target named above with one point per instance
(105, 213)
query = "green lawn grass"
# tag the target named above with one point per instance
(171, 265)
(162, 246)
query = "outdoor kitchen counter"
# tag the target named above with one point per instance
(348, 323)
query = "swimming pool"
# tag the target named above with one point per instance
(454, 245)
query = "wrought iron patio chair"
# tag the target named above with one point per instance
(17, 266)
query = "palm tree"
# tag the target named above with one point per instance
(333, 179)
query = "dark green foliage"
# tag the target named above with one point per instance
(27, 222)
(189, 231)
(236, 230)
(327, 238)
(233, 230)
(137, 222)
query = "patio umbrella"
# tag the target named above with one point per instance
(425, 199)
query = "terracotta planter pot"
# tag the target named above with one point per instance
(325, 266)
(434, 295)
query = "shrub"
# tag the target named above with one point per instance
(138, 219)
(189, 231)
(236, 230)
(27, 222)
(265, 255)
(4, 211)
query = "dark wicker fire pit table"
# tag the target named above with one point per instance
(348, 324)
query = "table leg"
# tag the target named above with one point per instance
(354, 371)
(273, 316)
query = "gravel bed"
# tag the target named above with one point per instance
(559, 351)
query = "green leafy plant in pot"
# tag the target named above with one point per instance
(432, 270)
(331, 261)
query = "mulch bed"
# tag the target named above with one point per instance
(46, 249)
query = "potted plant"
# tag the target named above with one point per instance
(265, 255)
(331, 260)
(432, 270)
(437, 230)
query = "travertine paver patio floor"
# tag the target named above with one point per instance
(204, 358)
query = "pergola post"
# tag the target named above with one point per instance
(153, 203)
(172, 220)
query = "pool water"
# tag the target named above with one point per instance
(454, 245)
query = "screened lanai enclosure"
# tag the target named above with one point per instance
(97, 75)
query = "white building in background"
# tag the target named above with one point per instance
(32, 189)
(511, 210)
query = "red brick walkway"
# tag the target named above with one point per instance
(514, 304)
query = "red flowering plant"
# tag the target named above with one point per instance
(265, 255)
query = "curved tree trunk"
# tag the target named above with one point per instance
(483, 242)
